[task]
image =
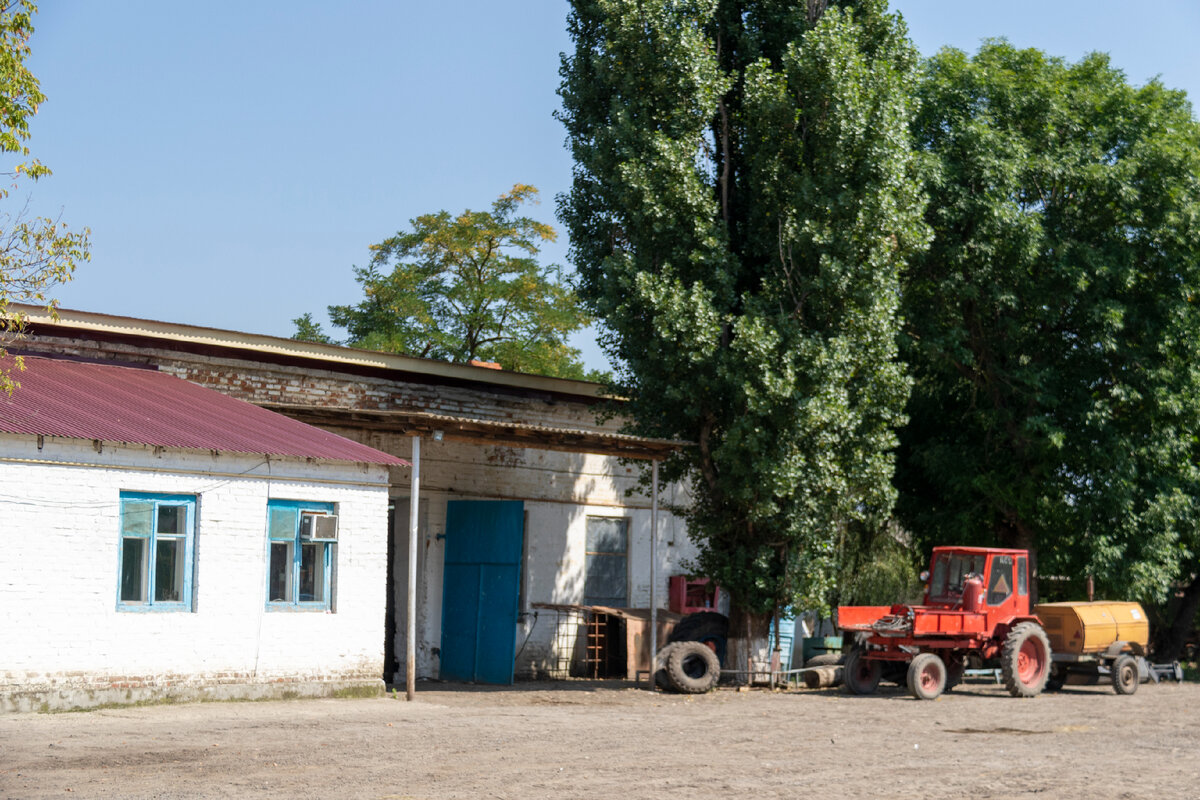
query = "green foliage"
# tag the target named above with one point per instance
(464, 288)
(36, 253)
(309, 330)
(1053, 327)
(876, 567)
(744, 200)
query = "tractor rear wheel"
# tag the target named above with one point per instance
(926, 676)
(860, 673)
(1025, 660)
(1125, 674)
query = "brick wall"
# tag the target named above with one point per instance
(65, 644)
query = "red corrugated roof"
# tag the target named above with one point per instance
(143, 406)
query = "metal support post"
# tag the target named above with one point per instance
(414, 504)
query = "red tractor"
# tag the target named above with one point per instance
(976, 608)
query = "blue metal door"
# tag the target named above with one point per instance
(481, 585)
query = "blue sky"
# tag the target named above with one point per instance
(234, 160)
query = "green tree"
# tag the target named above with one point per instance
(309, 330)
(466, 287)
(36, 253)
(745, 197)
(1053, 327)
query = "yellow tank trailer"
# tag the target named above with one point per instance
(1090, 640)
(1093, 627)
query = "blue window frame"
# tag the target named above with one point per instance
(155, 559)
(299, 568)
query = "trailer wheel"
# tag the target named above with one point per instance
(859, 673)
(1125, 674)
(926, 676)
(1025, 660)
(692, 667)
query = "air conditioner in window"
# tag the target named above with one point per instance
(318, 527)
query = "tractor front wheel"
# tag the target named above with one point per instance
(859, 673)
(926, 676)
(1025, 660)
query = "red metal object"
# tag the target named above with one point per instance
(974, 599)
(691, 595)
(128, 405)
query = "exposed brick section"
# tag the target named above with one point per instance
(268, 383)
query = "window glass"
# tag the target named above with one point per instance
(957, 567)
(157, 542)
(171, 519)
(168, 571)
(133, 570)
(299, 571)
(1022, 576)
(607, 535)
(280, 572)
(937, 586)
(136, 516)
(283, 523)
(606, 574)
(1000, 583)
(312, 572)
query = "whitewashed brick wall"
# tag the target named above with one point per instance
(59, 535)
(560, 491)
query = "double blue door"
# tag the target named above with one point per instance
(481, 588)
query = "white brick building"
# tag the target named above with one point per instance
(494, 443)
(147, 553)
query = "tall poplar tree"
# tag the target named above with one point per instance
(744, 201)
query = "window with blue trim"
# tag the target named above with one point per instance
(157, 546)
(301, 539)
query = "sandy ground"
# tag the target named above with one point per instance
(585, 740)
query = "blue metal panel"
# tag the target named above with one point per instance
(481, 587)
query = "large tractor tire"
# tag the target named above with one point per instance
(1125, 675)
(692, 667)
(1025, 660)
(861, 674)
(926, 676)
(661, 679)
(703, 626)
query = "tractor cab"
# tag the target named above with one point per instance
(1002, 575)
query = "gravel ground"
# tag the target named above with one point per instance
(607, 740)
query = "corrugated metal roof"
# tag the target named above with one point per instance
(140, 406)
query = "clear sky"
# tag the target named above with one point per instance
(235, 160)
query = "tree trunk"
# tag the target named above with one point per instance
(746, 648)
(1175, 637)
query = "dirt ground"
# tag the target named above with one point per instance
(607, 740)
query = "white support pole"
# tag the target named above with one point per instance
(410, 640)
(653, 569)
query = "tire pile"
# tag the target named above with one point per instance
(690, 663)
